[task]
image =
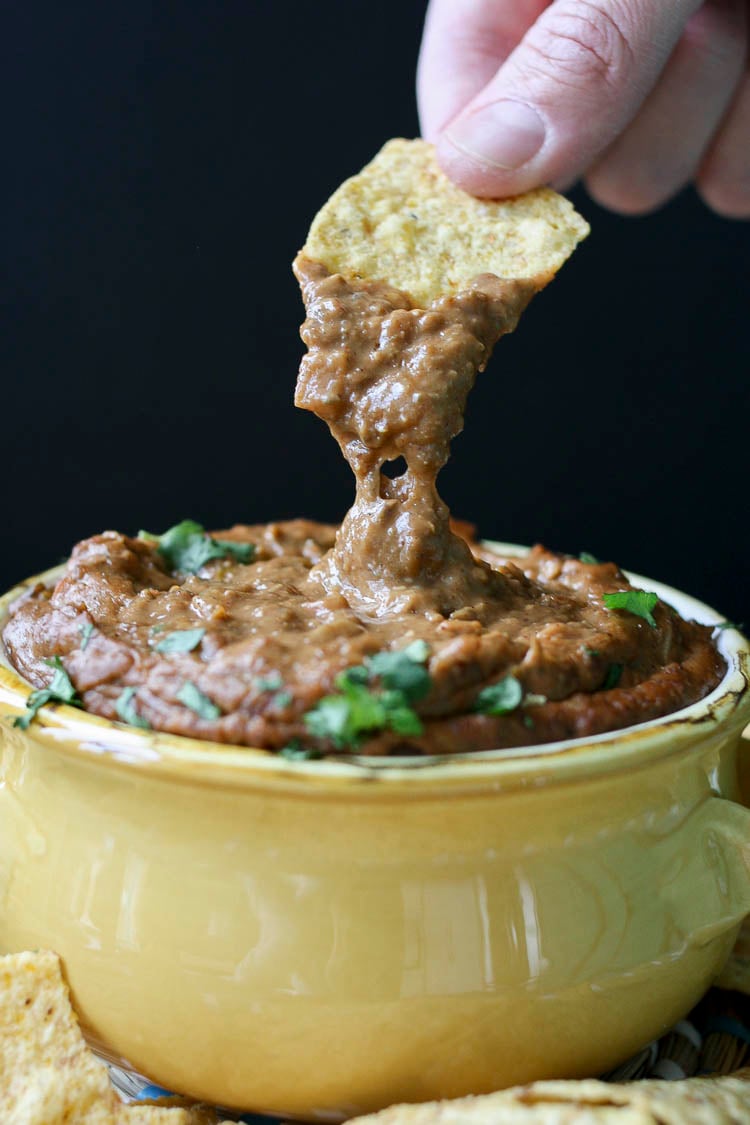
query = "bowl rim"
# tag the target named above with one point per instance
(77, 732)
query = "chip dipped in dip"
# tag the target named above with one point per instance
(395, 633)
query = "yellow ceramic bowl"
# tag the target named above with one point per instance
(321, 939)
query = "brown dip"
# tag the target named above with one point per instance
(391, 381)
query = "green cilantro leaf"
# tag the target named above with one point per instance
(585, 557)
(295, 752)
(187, 546)
(400, 717)
(182, 640)
(34, 703)
(613, 677)
(403, 670)
(357, 674)
(500, 698)
(346, 718)
(194, 698)
(125, 708)
(60, 686)
(240, 552)
(59, 690)
(638, 602)
(722, 625)
(268, 683)
(358, 709)
(85, 630)
(274, 685)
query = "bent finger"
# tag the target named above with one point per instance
(724, 176)
(575, 81)
(660, 150)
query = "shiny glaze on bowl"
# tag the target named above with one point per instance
(321, 939)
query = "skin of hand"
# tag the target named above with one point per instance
(638, 97)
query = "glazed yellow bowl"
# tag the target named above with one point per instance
(318, 939)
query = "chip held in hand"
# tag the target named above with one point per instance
(402, 220)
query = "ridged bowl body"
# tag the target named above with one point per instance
(319, 939)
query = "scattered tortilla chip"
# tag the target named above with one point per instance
(401, 220)
(48, 1075)
(696, 1101)
(164, 1112)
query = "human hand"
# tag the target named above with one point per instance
(640, 97)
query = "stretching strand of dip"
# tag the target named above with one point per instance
(408, 284)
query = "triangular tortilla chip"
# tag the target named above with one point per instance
(696, 1101)
(48, 1075)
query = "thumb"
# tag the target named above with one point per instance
(573, 83)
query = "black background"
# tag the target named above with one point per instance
(164, 161)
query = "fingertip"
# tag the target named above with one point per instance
(630, 199)
(729, 201)
(471, 174)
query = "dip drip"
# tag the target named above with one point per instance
(391, 381)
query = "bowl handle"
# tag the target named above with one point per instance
(706, 878)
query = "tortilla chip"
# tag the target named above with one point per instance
(697, 1101)
(48, 1075)
(401, 220)
(152, 1113)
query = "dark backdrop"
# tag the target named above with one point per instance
(164, 161)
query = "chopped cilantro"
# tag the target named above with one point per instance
(182, 640)
(356, 675)
(528, 722)
(500, 698)
(590, 651)
(638, 602)
(194, 698)
(125, 708)
(274, 684)
(403, 670)
(60, 684)
(85, 630)
(269, 683)
(722, 625)
(59, 690)
(359, 709)
(612, 679)
(346, 717)
(400, 717)
(585, 557)
(294, 752)
(187, 546)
